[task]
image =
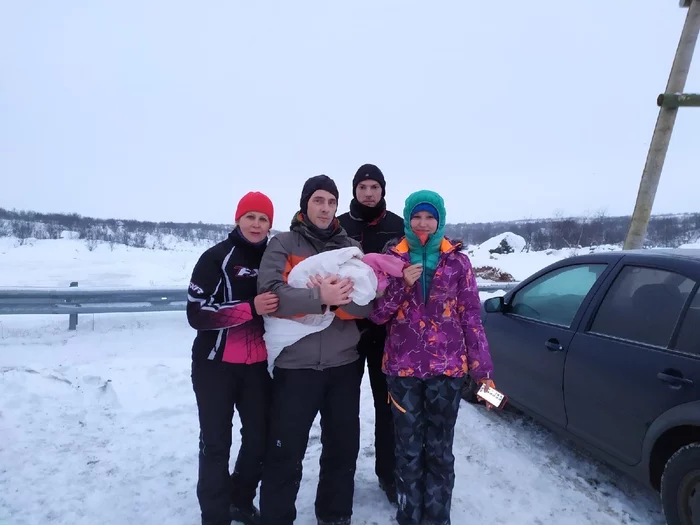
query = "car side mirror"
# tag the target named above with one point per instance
(494, 305)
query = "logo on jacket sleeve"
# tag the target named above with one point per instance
(196, 289)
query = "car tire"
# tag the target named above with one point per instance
(680, 486)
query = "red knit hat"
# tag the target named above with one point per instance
(255, 201)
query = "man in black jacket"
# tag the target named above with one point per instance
(369, 223)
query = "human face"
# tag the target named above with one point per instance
(254, 226)
(369, 193)
(321, 208)
(424, 222)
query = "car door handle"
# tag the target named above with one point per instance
(554, 345)
(674, 380)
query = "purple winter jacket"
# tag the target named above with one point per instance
(444, 336)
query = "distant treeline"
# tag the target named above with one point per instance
(32, 225)
(668, 231)
(539, 234)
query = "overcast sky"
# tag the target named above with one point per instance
(171, 110)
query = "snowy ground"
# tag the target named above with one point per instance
(55, 263)
(119, 265)
(100, 426)
(105, 266)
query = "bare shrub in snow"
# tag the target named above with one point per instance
(138, 239)
(493, 274)
(41, 231)
(122, 237)
(111, 241)
(93, 235)
(23, 231)
(91, 244)
(159, 241)
(667, 232)
(54, 230)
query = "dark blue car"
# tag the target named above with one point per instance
(606, 348)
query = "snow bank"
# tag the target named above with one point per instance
(121, 266)
(100, 426)
(56, 263)
(514, 241)
(519, 264)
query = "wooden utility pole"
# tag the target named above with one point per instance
(664, 127)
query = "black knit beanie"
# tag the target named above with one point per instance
(312, 185)
(368, 172)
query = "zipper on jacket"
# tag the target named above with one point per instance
(320, 350)
(424, 281)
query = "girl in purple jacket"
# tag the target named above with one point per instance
(435, 338)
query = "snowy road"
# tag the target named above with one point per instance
(99, 426)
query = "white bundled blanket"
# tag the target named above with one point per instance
(345, 262)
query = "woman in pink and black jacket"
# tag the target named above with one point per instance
(229, 364)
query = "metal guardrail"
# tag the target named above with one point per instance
(497, 287)
(73, 301)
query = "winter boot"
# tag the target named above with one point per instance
(389, 488)
(247, 516)
(339, 521)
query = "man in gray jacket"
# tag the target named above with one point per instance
(317, 373)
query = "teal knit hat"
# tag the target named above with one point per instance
(431, 199)
(429, 254)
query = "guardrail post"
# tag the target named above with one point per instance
(73, 318)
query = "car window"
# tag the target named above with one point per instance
(556, 297)
(643, 305)
(689, 335)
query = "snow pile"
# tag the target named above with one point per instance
(100, 426)
(70, 235)
(519, 264)
(516, 242)
(522, 264)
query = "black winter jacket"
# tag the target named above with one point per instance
(220, 302)
(373, 236)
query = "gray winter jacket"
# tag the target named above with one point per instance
(336, 345)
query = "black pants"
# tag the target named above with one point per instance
(219, 387)
(298, 396)
(425, 413)
(372, 352)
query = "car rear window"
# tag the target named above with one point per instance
(643, 305)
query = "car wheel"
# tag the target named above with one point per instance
(680, 487)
